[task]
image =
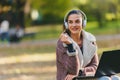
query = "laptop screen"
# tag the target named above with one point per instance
(109, 63)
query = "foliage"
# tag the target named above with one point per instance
(97, 10)
(13, 11)
(52, 11)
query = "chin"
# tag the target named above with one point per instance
(75, 32)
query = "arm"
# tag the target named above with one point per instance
(91, 68)
(70, 63)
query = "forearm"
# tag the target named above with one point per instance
(91, 68)
(70, 63)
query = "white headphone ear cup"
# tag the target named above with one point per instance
(84, 23)
(66, 25)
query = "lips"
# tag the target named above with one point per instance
(74, 29)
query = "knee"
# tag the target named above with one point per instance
(114, 77)
(105, 78)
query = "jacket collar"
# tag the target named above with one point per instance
(89, 49)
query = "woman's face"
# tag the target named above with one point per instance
(75, 23)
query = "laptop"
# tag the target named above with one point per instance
(109, 64)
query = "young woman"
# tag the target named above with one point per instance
(76, 49)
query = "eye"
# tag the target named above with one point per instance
(70, 22)
(77, 21)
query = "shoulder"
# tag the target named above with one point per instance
(59, 42)
(88, 36)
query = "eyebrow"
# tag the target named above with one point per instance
(75, 20)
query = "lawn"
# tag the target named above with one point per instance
(36, 60)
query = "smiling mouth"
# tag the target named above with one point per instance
(74, 29)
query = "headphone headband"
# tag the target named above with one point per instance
(76, 11)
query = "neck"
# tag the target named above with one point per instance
(76, 37)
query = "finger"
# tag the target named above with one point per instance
(63, 37)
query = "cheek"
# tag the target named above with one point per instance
(80, 24)
(79, 28)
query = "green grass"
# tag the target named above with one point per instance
(46, 31)
(53, 31)
(109, 28)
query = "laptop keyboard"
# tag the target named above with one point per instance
(85, 78)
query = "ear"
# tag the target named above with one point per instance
(66, 25)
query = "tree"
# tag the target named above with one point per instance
(18, 9)
(52, 11)
(14, 11)
(97, 9)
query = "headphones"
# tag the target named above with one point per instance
(84, 18)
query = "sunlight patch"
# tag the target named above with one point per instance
(28, 58)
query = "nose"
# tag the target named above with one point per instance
(74, 24)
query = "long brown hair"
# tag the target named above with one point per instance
(66, 30)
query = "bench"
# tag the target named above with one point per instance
(29, 35)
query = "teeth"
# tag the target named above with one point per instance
(75, 29)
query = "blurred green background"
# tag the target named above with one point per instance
(33, 58)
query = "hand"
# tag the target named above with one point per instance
(65, 39)
(69, 77)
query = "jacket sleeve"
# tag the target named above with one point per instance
(70, 63)
(91, 68)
